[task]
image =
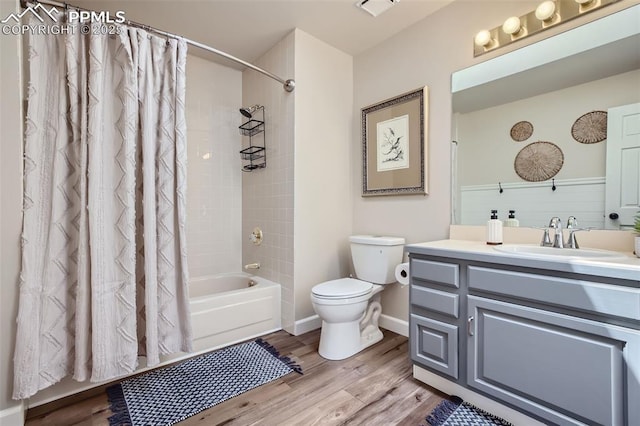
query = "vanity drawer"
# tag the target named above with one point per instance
(435, 300)
(434, 344)
(438, 272)
(588, 296)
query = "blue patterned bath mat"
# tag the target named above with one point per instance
(169, 395)
(456, 412)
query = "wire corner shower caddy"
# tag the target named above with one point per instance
(254, 155)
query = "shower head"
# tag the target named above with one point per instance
(248, 111)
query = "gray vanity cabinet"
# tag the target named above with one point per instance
(435, 317)
(561, 347)
(564, 369)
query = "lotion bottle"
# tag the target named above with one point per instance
(511, 220)
(494, 229)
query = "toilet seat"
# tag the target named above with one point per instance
(343, 288)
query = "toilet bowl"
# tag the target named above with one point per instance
(341, 304)
(349, 307)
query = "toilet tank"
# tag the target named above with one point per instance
(375, 257)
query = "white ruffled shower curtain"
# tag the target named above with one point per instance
(104, 272)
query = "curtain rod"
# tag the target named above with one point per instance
(288, 85)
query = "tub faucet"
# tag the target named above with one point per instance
(252, 265)
(556, 224)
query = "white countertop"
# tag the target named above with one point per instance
(627, 268)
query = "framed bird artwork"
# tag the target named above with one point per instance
(394, 145)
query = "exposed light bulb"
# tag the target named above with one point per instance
(549, 13)
(483, 38)
(587, 5)
(546, 10)
(512, 25)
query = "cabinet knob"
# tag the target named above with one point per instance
(613, 216)
(470, 326)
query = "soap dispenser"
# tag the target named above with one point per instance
(494, 229)
(511, 220)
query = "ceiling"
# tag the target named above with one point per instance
(249, 28)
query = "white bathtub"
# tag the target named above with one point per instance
(225, 309)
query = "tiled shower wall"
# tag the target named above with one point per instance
(268, 193)
(214, 181)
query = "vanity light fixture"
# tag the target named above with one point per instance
(549, 13)
(513, 27)
(483, 39)
(587, 5)
(546, 12)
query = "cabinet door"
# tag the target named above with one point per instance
(564, 369)
(434, 344)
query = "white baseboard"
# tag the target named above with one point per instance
(13, 416)
(486, 404)
(388, 323)
(394, 324)
(307, 324)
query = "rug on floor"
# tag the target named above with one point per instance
(456, 412)
(169, 395)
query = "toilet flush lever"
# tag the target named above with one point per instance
(252, 266)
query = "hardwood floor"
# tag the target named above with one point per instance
(374, 387)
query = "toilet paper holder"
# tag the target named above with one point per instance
(402, 273)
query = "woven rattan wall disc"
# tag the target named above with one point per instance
(538, 161)
(590, 127)
(521, 131)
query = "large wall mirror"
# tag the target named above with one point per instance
(552, 129)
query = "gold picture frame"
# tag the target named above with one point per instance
(394, 154)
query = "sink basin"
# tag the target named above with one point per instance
(559, 253)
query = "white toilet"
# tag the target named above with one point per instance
(349, 307)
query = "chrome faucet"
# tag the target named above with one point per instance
(556, 225)
(252, 266)
(572, 226)
(546, 240)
